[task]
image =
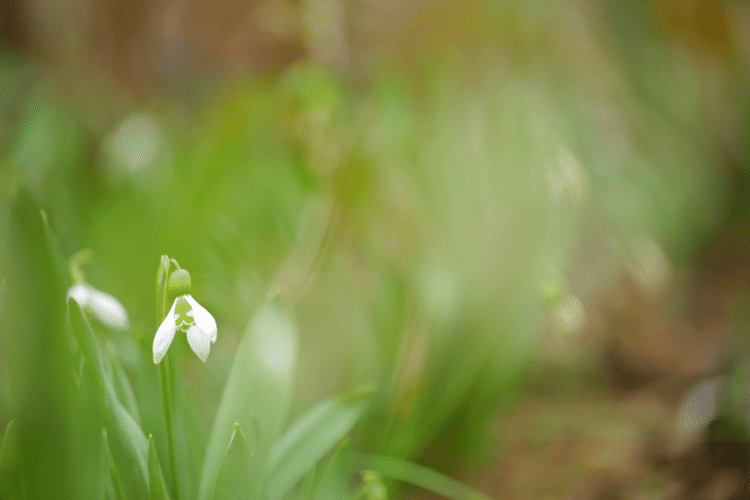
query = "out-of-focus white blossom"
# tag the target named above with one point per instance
(649, 265)
(569, 315)
(567, 179)
(135, 142)
(103, 306)
(699, 406)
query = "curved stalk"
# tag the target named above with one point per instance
(165, 373)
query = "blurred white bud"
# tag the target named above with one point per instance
(104, 307)
(569, 315)
(440, 294)
(649, 265)
(567, 179)
(135, 141)
(698, 407)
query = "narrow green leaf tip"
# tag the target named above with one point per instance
(235, 480)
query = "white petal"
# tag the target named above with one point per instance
(108, 310)
(199, 342)
(203, 318)
(80, 294)
(164, 336)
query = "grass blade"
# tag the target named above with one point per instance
(128, 446)
(84, 336)
(9, 446)
(127, 442)
(421, 476)
(157, 490)
(332, 482)
(90, 460)
(56, 254)
(260, 383)
(236, 475)
(309, 438)
(122, 386)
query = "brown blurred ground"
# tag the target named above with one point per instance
(169, 45)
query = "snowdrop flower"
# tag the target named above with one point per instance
(188, 316)
(104, 307)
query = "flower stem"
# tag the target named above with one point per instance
(166, 400)
(165, 373)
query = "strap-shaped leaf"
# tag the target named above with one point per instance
(115, 487)
(128, 446)
(56, 255)
(89, 459)
(157, 488)
(10, 485)
(259, 387)
(122, 386)
(235, 481)
(84, 336)
(309, 438)
(9, 447)
(421, 476)
(127, 441)
(332, 481)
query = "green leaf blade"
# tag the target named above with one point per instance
(10, 485)
(56, 254)
(9, 448)
(123, 388)
(129, 447)
(332, 481)
(157, 489)
(308, 439)
(421, 476)
(90, 460)
(84, 336)
(235, 481)
(127, 442)
(259, 388)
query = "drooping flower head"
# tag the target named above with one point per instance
(187, 316)
(103, 306)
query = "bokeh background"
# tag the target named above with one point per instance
(527, 222)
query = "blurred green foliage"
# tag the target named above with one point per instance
(423, 225)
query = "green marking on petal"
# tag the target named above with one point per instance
(183, 314)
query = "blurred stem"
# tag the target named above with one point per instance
(75, 262)
(166, 401)
(165, 373)
(359, 493)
